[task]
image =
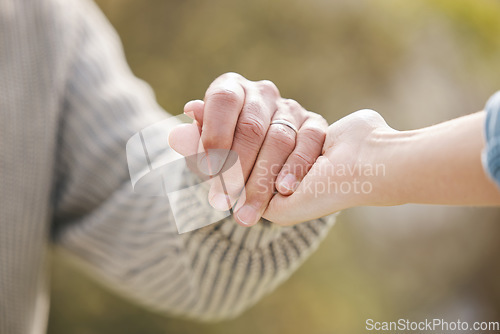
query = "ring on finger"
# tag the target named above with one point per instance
(285, 123)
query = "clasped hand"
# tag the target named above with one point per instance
(295, 167)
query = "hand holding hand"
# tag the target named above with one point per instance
(237, 114)
(365, 162)
(348, 173)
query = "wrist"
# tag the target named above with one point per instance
(389, 152)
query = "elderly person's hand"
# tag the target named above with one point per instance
(276, 139)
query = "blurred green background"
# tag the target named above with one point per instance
(416, 62)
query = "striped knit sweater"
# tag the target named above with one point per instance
(68, 105)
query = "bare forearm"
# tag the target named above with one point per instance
(440, 164)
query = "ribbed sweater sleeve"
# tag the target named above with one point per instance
(129, 241)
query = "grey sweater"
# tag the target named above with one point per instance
(68, 105)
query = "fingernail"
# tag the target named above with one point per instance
(189, 114)
(289, 182)
(220, 202)
(247, 215)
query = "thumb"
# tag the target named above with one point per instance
(184, 139)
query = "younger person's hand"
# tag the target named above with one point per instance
(365, 162)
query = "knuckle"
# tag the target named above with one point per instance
(231, 75)
(225, 96)
(216, 141)
(293, 104)
(367, 112)
(314, 134)
(281, 138)
(268, 87)
(295, 109)
(304, 158)
(365, 119)
(253, 107)
(250, 129)
(318, 118)
(368, 115)
(259, 188)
